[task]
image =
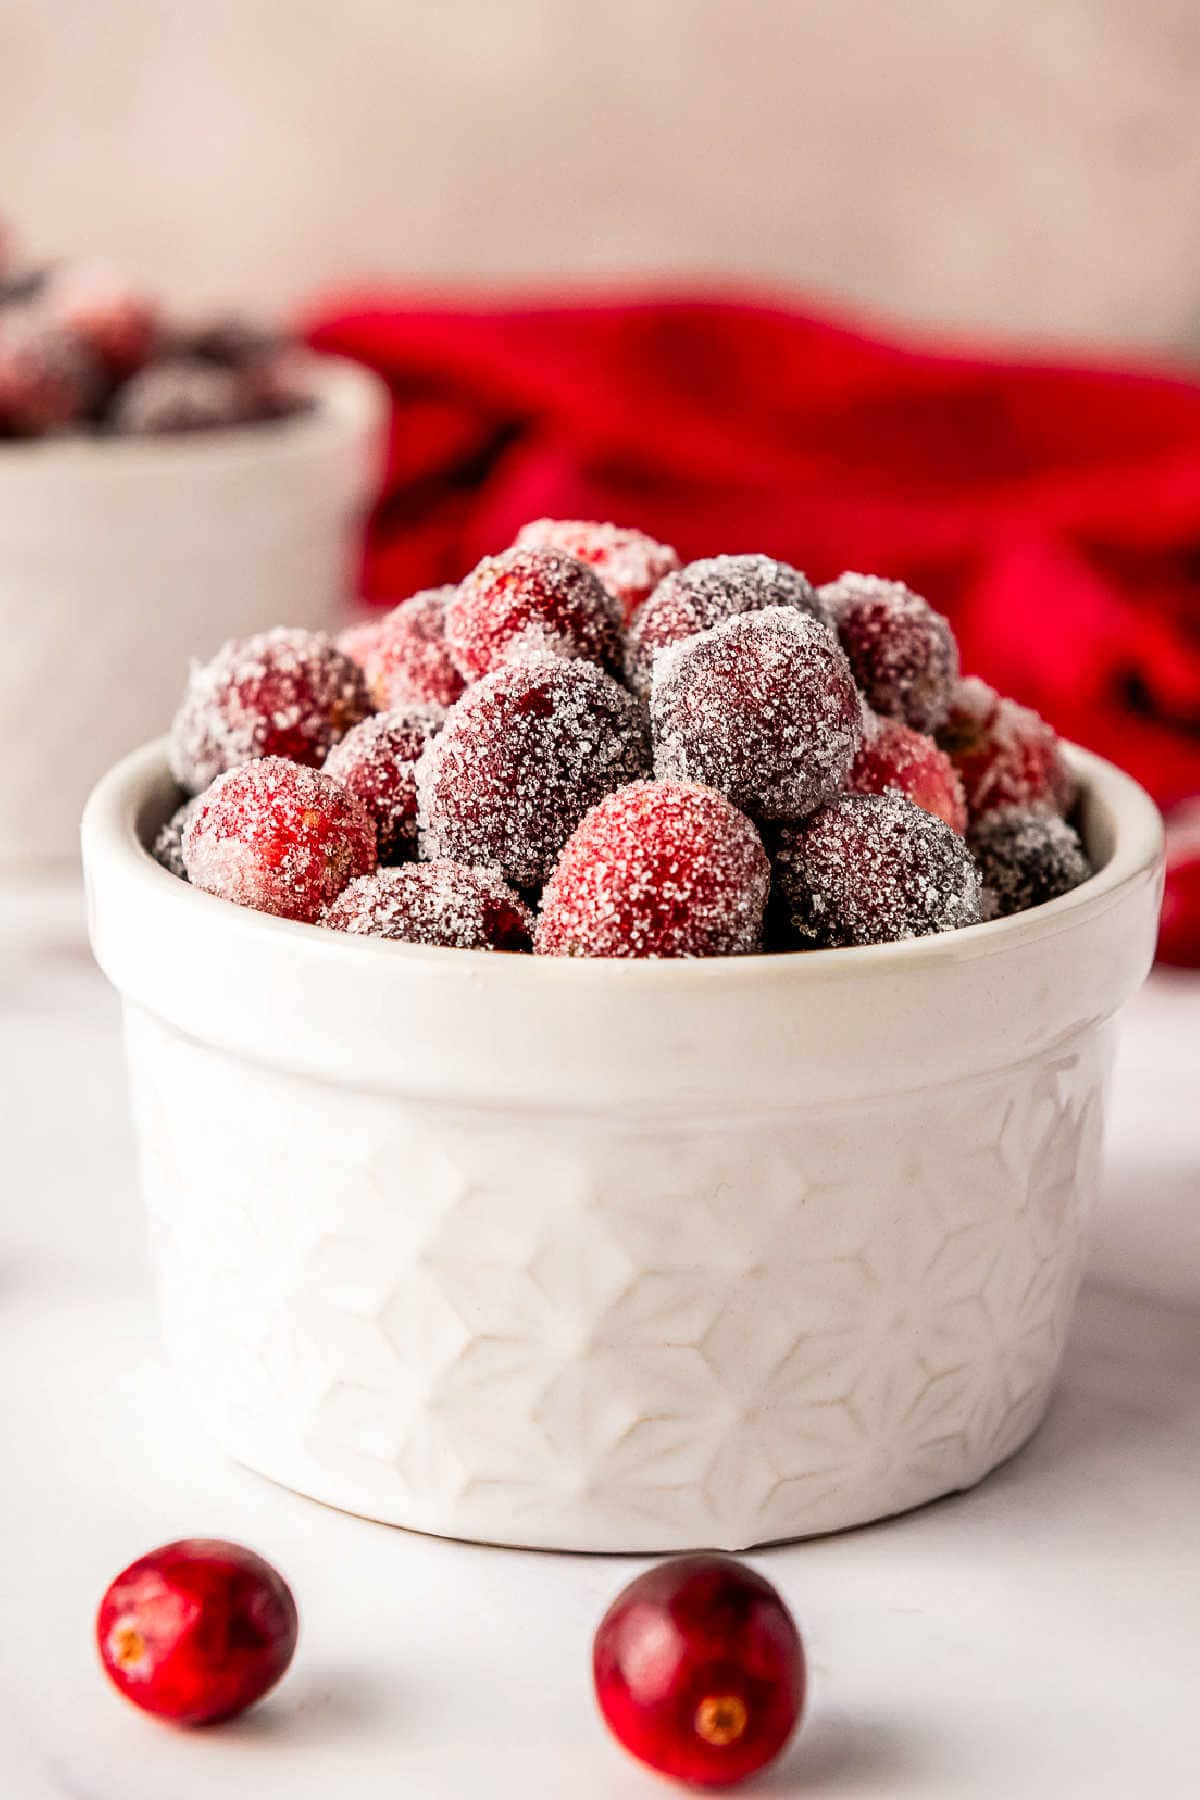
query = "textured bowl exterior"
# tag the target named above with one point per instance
(614, 1256)
(120, 559)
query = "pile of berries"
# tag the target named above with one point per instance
(586, 749)
(85, 348)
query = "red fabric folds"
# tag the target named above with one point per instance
(1052, 510)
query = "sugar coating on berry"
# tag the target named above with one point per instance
(873, 869)
(410, 661)
(1006, 754)
(763, 708)
(377, 760)
(107, 312)
(704, 594)
(1026, 859)
(282, 693)
(441, 903)
(893, 755)
(521, 758)
(903, 653)
(278, 837)
(48, 378)
(167, 848)
(528, 602)
(358, 641)
(658, 869)
(628, 562)
(180, 394)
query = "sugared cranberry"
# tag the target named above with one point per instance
(1179, 929)
(657, 869)
(763, 708)
(522, 757)
(278, 837)
(1026, 859)
(168, 844)
(704, 594)
(281, 693)
(629, 563)
(873, 869)
(107, 312)
(531, 602)
(197, 1631)
(178, 395)
(410, 662)
(377, 761)
(443, 903)
(48, 379)
(358, 641)
(1006, 755)
(903, 653)
(893, 755)
(700, 1671)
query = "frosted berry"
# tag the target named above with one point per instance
(629, 563)
(168, 843)
(410, 661)
(107, 312)
(1026, 859)
(763, 708)
(893, 755)
(873, 869)
(48, 379)
(531, 602)
(521, 758)
(197, 1631)
(657, 869)
(1006, 755)
(704, 594)
(1179, 928)
(282, 693)
(278, 837)
(358, 641)
(699, 1670)
(442, 903)
(180, 394)
(903, 653)
(377, 761)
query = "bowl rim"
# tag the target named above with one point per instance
(350, 399)
(112, 846)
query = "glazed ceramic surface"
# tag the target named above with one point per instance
(618, 1256)
(120, 559)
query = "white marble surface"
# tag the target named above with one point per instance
(1035, 1638)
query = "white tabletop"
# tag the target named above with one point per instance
(1036, 1638)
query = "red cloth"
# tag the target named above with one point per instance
(1053, 510)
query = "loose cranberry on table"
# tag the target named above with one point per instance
(521, 758)
(279, 838)
(281, 693)
(197, 1631)
(763, 708)
(903, 653)
(1179, 929)
(1026, 859)
(377, 760)
(629, 563)
(893, 755)
(408, 662)
(439, 903)
(699, 1670)
(1006, 754)
(531, 602)
(707, 593)
(657, 869)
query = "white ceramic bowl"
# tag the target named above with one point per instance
(618, 1256)
(120, 558)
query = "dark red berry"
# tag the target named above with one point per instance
(704, 594)
(409, 663)
(629, 563)
(179, 394)
(903, 653)
(48, 379)
(894, 756)
(440, 903)
(107, 312)
(1006, 755)
(197, 1631)
(699, 1670)
(377, 760)
(1026, 859)
(531, 602)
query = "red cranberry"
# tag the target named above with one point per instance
(699, 1670)
(358, 641)
(903, 653)
(48, 380)
(704, 594)
(1179, 930)
(1005, 754)
(657, 869)
(443, 903)
(895, 756)
(410, 662)
(521, 758)
(530, 602)
(763, 708)
(629, 563)
(279, 838)
(282, 693)
(197, 1631)
(1026, 859)
(106, 312)
(873, 869)
(378, 762)
(177, 395)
